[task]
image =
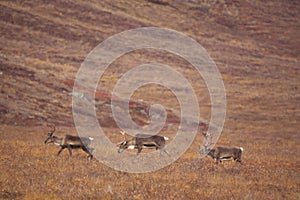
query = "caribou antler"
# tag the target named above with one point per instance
(124, 138)
(52, 129)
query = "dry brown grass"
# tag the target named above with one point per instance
(255, 45)
(31, 170)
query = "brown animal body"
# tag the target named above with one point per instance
(224, 153)
(70, 142)
(144, 141)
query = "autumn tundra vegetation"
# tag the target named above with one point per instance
(255, 45)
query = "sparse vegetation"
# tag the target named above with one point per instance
(32, 170)
(255, 45)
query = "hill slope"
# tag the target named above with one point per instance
(255, 45)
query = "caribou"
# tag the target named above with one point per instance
(141, 141)
(226, 153)
(70, 142)
(221, 153)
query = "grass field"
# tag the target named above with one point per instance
(31, 170)
(255, 45)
